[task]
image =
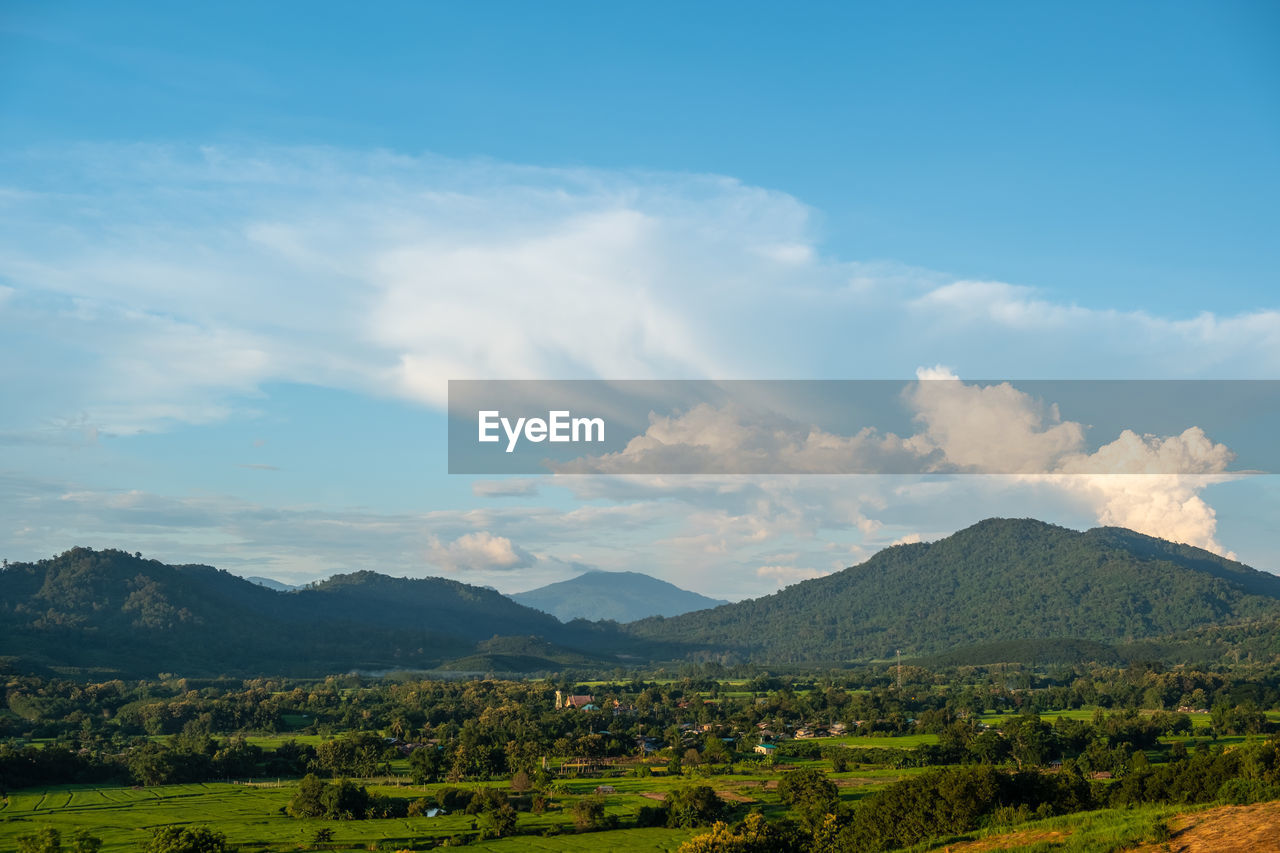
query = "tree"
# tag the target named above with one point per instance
(697, 805)
(1031, 739)
(753, 835)
(588, 813)
(811, 794)
(308, 802)
(46, 840)
(176, 839)
(344, 800)
(497, 819)
(426, 765)
(83, 842)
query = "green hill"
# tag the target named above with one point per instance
(998, 581)
(113, 612)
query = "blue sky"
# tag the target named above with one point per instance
(245, 244)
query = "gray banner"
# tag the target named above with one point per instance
(921, 426)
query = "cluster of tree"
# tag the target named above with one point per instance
(164, 839)
(340, 800)
(953, 800)
(928, 701)
(49, 840)
(1105, 743)
(493, 729)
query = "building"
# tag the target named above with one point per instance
(586, 703)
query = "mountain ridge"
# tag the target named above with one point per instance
(996, 581)
(1006, 587)
(114, 611)
(617, 596)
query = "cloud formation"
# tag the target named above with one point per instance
(168, 286)
(481, 551)
(1148, 483)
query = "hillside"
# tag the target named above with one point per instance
(620, 596)
(1000, 580)
(110, 611)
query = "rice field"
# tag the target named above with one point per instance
(252, 815)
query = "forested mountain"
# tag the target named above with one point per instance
(620, 596)
(1107, 594)
(108, 610)
(1000, 580)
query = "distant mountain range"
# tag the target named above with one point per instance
(619, 596)
(999, 581)
(271, 583)
(1003, 589)
(108, 611)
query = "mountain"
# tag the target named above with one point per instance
(1000, 580)
(271, 583)
(1003, 589)
(620, 596)
(113, 612)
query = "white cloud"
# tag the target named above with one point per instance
(185, 282)
(732, 439)
(1151, 484)
(480, 551)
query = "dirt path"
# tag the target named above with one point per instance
(1227, 829)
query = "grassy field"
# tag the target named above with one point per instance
(1102, 831)
(895, 742)
(252, 817)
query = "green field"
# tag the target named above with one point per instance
(894, 742)
(251, 818)
(1103, 831)
(251, 815)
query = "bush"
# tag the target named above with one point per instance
(175, 839)
(694, 806)
(589, 814)
(420, 806)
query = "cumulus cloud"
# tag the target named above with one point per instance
(989, 429)
(1148, 483)
(1151, 484)
(481, 551)
(731, 438)
(171, 285)
(166, 286)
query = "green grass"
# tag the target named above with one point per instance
(1105, 831)
(250, 816)
(273, 741)
(894, 742)
(638, 840)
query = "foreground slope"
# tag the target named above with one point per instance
(113, 611)
(620, 596)
(999, 580)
